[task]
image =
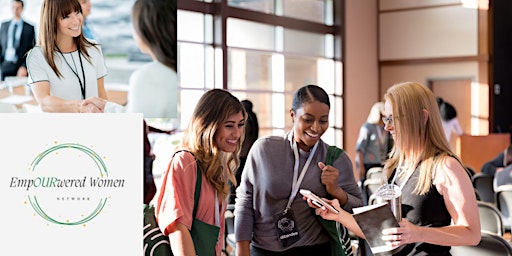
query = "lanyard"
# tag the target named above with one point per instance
(397, 173)
(297, 181)
(82, 85)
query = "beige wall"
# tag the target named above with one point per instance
(360, 68)
(422, 73)
(409, 40)
(426, 33)
(400, 4)
(439, 52)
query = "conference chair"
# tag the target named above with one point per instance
(483, 183)
(374, 173)
(370, 186)
(230, 242)
(490, 245)
(504, 204)
(491, 219)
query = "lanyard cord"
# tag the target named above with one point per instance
(82, 86)
(398, 172)
(298, 181)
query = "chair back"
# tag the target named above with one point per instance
(483, 182)
(504, 204)
(491, 219)
(370, 186)
(490, 245)
(230, 229)
(374, 173)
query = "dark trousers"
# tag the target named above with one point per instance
(317, 249)
(9, 69)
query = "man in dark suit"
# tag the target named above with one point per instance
(17, 37)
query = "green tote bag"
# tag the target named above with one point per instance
(204, 236)
(340, 237)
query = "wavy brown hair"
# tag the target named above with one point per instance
(51, 12)
(212, 110)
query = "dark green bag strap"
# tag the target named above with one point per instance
(197, 193)
(199, 180)
(341, 244)
(333, 152)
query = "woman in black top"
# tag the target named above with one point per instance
(439, 208)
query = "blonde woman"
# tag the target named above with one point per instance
(214, 138)
(439, 208)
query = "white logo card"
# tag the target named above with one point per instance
(71, 184)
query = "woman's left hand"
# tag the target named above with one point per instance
(329, 177)
(405, 234)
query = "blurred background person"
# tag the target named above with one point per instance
(17, 37)
(503, 176)
(494, 165)
(449, 119)
(251, 135)
(152, 88)
(373, 143)
(86, 29)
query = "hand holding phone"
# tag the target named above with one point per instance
(316, 200)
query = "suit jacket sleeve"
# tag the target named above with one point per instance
(27, 41)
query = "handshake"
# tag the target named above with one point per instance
(92, 105)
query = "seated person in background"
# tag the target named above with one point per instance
(503, 176)
(494, 165)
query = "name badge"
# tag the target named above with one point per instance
(287, 231)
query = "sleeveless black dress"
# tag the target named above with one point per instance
(426, 210)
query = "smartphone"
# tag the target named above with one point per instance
(316, 200)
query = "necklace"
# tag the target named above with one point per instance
(75, 71)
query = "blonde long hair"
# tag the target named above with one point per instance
(418, 140)
(212, 110)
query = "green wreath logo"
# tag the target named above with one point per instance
(102, 173)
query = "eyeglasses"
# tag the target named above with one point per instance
(387, 119)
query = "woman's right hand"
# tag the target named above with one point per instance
(89, 108)
(93, 105)
(343, 217)
(324, 212)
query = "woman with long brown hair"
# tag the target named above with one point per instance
(211, 142)
(65, 68)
